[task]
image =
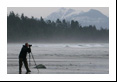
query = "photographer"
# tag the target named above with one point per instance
(22, 57)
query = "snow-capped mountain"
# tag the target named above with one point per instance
(92, 17)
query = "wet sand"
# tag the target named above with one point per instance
(65, 59)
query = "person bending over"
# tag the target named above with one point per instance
(22, 57)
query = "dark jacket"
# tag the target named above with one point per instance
(23, 52)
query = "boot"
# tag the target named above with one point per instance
(20, 72)
(28, 70)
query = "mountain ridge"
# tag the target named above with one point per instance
(91, 17)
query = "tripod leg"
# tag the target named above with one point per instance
(29, 60)
(34, 61)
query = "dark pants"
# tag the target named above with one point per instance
(21, 61)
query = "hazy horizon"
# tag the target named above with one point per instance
(45, 11)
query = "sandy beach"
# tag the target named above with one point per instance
(78, 58)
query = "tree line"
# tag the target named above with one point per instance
(22, 28)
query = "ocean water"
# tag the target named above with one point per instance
(67, 58)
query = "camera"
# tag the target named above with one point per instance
(30, 45)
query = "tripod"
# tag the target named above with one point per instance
(33, 60)
(29, 60)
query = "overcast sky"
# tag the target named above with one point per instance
(37, 12)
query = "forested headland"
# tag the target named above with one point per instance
(22, 28)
